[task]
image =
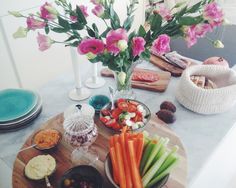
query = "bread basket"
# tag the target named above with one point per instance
(208, 101)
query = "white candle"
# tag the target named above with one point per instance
(95, 72)
(76, 69)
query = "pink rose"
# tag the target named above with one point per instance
(46, 14)
(98, 11)
(138, 44)
(213, 14)
(161, 45)
(113, 38)
(33, 24)
(44, 42)
(164, 12)
(92, 45)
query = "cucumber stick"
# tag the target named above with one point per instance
(163, 174)
(151, 172)
(154, 152)
(147, 152)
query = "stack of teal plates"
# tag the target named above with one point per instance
(18, 108)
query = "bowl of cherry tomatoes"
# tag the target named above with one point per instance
(126, 112)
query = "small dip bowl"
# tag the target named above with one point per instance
(98, 102)
(43, 141)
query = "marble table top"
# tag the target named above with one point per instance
(200, 134)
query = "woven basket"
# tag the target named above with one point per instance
(208, 101)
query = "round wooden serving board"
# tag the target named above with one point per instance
(62, 154)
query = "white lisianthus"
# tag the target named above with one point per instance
(20, 33)
(51, 10)
(122, 45)
(90, 55)
(122, 77)
(218, 44)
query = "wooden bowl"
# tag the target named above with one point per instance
(108, 172)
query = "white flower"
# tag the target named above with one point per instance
(218, 44)
(51, 10)
(122, 77)
(15, 13)
(20, 33)
(122, 45)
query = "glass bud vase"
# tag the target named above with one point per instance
(123, 85)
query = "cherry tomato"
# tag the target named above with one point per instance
(120, 100)
(116, 126)
(104, 120)
(123, 106)
(132, 108)
(134, 103)
(138, 118)
(111, 123)
(116, 112)
(105, 112)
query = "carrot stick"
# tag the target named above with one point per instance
(111, 142)
(124, 129)
(139, 151)
(114, 164)
(116, 138)
(120, 162)
(137, 183)
(126, 162)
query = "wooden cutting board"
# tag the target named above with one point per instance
(163, 65)
(157, 86)
(62, 154)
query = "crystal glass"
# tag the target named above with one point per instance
(81, 132)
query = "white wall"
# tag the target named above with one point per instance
(36, 68)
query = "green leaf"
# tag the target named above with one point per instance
(195, 7)
(74, 44)
(46, 29)
(64, 23)
(104, 34)
(156, 22)
(76, 26)
(70, 38)
(80, 16)
(128, 22)
(115, 20)
(59, 30)
(188, 20)
(146, 55)
(131, 35)
(141, 31)
(95, 30)
(91, 33)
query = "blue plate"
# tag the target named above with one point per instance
(16, 103)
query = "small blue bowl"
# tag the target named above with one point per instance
(98, 102)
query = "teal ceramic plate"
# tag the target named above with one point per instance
(15, 103)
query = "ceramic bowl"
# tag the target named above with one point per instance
(98, 102)
(108, 172)
(147, 116)
(82, 172)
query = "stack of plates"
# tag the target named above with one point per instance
(18, 108)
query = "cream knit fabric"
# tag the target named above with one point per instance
(208, 101)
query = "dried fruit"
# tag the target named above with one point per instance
(167, 105)
(166, 116)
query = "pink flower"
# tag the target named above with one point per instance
(161, 45)
(138, 44)
(202, 29)
(33, 24)
(213, 14)
(84, 10)
(113, 38)
(190, 35)
(94, 46)
(44, 42)
(98, 11)
(47, 11)
(73, 18)
(164, 12)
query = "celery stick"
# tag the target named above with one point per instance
(151, 172)
(154, 152)
(160, 153)
(148, 149)
(172, 156)
(163, 174)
